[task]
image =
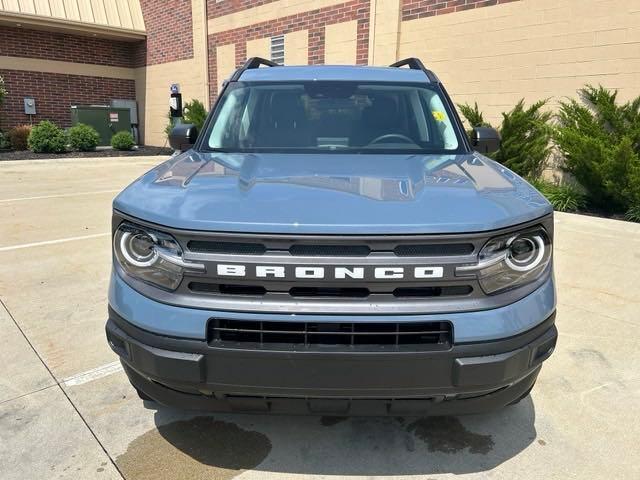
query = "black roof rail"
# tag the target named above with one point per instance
(416, 64)
(252, 62)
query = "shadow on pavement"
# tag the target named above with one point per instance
(187, 446)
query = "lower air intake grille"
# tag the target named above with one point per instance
(248, 334)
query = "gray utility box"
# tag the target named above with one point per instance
(105, 119)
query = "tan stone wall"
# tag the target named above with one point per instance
(153, 81)
(296, 48)
(265, 13)
(260, 47)
(530, 49)
(66, 68)
(385, 31)
(226, 61)
(340, 43)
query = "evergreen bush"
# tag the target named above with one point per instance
(83, 137)
(47, 137)
(122, 140)
(600, 142)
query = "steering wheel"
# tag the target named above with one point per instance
(387, 136)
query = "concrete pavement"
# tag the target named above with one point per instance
(67, 410)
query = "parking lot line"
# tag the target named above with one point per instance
(93, 374)
(60, 195)
(52, 242)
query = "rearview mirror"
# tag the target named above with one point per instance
(183, 136)
(485, 139)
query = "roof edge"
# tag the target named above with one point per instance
(62, 25)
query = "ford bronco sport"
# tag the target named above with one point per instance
(332, 242)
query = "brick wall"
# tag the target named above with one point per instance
(20, 42)
(169, 28)
(412, 9)
(218, 8)
(314, 21)
(55, 93)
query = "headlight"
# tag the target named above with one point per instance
(511, 261)
(151, 256)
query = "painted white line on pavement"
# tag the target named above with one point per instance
(93, 374)
(60, 195)
(52, 242)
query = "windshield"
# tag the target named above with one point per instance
(332, 116)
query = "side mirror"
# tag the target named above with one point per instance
(183, 136)
(485, 139)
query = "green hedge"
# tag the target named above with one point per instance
(600, 142)
(598, 138)
(83, 137)
(47, 137)
(122, 140)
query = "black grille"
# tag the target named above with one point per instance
(445, 291)
(330, 250)
(296, 335)
(234, 248)
(227, 289)
(434, 250)
(308, 250)
(329, 292)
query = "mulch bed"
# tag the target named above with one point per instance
(140, 151)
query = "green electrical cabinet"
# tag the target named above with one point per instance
(106, 120)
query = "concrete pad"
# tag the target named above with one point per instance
(29, 178)
(580, 422)
(58, 296)
(41, 436)
(46, 219)
(22, 372)
(151, 442)
(61, 199)
(597, 265)
(555, 434)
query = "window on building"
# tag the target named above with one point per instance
(277, 49)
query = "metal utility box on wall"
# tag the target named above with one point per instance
(105, 119)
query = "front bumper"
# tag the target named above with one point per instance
(467, 378)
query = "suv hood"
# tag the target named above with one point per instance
(332, 193)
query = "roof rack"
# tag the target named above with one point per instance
(251, 63)
(416, 64)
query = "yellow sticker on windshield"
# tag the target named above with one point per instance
(439, 116)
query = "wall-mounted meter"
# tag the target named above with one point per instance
(29, 106)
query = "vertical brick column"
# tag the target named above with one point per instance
(316, 45)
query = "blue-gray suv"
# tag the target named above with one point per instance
(332, 242)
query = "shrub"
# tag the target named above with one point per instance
(564, 198)
(600, 142)
(83, 137)
(47, 137)
(122, 140)
(170, 125)
(3, 90)
(195, 113)
(18, 137)
(4, 141)
(633, 214)
(526, 136)
(525, 133)
(472, 115)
